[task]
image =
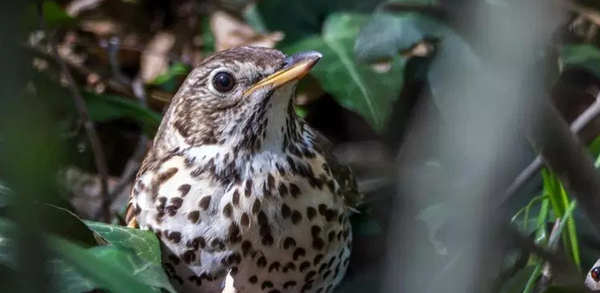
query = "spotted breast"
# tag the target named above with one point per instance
(237, 184)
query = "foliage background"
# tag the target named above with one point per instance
(401, 91)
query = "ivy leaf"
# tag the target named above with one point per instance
(357, 87)
(143, 243)
(584, 56)
(108, 107)
(386, 35)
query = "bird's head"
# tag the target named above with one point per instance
(240, 97)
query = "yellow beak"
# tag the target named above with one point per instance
(295, 68)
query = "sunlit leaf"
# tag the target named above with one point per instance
(385, 35)
(582, 56)
(143, 243)
(356, 87)
(108, 107)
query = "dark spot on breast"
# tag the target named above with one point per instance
(282, 189)
(217, 244)
(318, 243)
(248, 189)
(286, 212)
(318, 259)
(256, 206)
(228, 210)
(331, 262)
(270, 181)
(189, 256)
(174, 237)
(290, 266)
(274, 291)
(309, 277)
(303, 266)
(311, 213)
(280, 169)
(289, 284)
(327, 274)
(322, 209)
(294, 190)
(322, 268)
(205, 202)
(246, 247)
(274, 266)
(289, 242)
(174, 259)
(160, 179)
(245, 220)
(261, 262)
(235, 198)
(330, 215)
(299, 252)
(315, 230)
(331, 236)
(234, 233)
(176, 202)
(267, 240)
(194, 216)
(266, 284)
(184, 189)
(253, 279)
(265, 229)
(296, 217)
(262, 218)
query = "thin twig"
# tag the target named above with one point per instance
(536, 166)
(134, 162)
(98, 152)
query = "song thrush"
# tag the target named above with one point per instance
(236, 183)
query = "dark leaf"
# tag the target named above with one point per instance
(360, 88)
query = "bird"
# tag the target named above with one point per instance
(236, 185)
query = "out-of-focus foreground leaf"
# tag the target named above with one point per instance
(130, 262)
(583, 56)
(359, 88)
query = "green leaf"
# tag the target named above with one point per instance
(301, 19)
(385, 35)
(176, 70)
(357, 87)
(139, 269)
(97, 265)
(108, 107)
(583, 56)
(143, 243)
(54, 15)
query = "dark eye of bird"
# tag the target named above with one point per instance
(223, 82)
(596, 274)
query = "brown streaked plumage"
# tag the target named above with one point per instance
(236, 185)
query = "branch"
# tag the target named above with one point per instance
(98, 152)
(536, 166)
(565, 154)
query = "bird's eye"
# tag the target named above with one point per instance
(595, 274)
(223, 82)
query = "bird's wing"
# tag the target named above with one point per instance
(130, 218)
(349, 191)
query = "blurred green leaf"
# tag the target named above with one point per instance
(385, 35)
(101, 266)
(582, 56)
(54, 15)
(518, 281)
(143, 243)
(147, 273)
(302, 19)
(176, 70)
(359, 88)
(66, 224)
(108, 107)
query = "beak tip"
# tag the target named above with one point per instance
(311, 56)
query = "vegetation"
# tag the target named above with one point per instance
(439, 107)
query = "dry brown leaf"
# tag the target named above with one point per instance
(155, 57)
(231, 32)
